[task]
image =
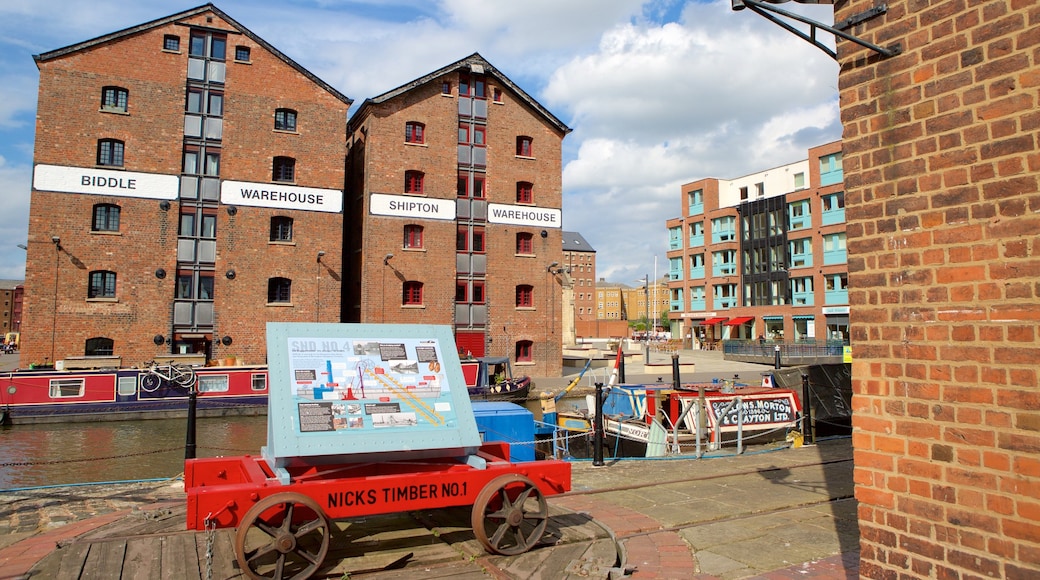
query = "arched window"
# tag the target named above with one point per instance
(283, 169)
(279, 290)
(284, 120)
(114, 99)
(525, 296)
(523, 351)
(413, 181)
(110, 152)
(524, 146)
(414, 132)
(106, 218)
(412, 293)
(98, 346)
(413, 236)
(524, 243)
(102, 284)
(524, 192)
(281, 228)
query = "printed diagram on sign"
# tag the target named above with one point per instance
(356, 384)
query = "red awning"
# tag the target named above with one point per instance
(740, 320)
(711, 321)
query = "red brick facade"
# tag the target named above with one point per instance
(942, 163)
(378, 161)
(148, 252)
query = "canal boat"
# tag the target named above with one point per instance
(52, 396)
(490, 378)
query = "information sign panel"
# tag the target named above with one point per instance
(358, 392)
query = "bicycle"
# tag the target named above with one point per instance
(174, 374)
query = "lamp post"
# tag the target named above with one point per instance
(317, 300)
(54, 315)
(646, 326)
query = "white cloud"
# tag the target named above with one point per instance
(14, 220)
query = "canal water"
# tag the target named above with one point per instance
(56, 454)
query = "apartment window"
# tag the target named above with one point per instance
(524, 243)
(242, 53)
(110, 153)
(525, 296)
(279, 291)
(281, 228)
(524, 146)
(413, 181)
(206, 102)
(172, 42)
(414, 132)
(833, 202)
(284, 120)
(412, 293)
(98, 346)
(465, 183)
(524, 192)
(760, 189)
(283, 169)
(478, 293)
(743, 193)
(497, 92)
(477, 247)
(461, 291)
(209, 45)
(106, 218)
(413, 236)
(523, 351)
(446, 88)
(102, 284)
(114, 99)
(799, 180)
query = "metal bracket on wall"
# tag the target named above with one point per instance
(763, 8)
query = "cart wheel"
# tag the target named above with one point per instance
(515, 513)
(285, 535)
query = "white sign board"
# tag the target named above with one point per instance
(105, 182)
(281, 196)
(523, 215)
(412, 207)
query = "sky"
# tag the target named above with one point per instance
(657, 93)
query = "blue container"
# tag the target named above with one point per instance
(509, 423)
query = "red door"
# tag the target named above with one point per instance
(470, 343)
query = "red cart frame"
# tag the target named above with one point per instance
(284, 530)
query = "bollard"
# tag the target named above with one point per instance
(621, 369)
(189, 439)
(675, 371)
(776, 361)
(807, 434)
(597, 429)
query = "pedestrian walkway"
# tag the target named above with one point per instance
(772, 514)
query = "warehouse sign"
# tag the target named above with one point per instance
(525, 215)
(281, 196)
(412, 207)
(105, 182)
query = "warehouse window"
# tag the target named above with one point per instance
(414, 132)
(525, 296)
(172, 42)
(114, 99)
(98, 346)
(284, 120)
(523, 351)
(110, 152)
(281, 228)
(525, 243)
(524, 192)
(102, 284)
(413, 181)
(524, 146)
(106, 218)
(283, 169)
(279, 291)
(412, 293)
(413, 236)
(242, 53)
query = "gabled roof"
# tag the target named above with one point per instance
(474, 63)
(574, 242)
(43, 57)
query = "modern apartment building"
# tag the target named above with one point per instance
(762, 256)
(454, 204)
(187, 189)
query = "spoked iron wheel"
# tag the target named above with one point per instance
(509, 515)
(285, 535)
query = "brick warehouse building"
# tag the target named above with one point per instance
(942, 176)
(459, 157)
(187, 188)
(763, 255)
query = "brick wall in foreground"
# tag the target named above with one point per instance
(941, 164)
